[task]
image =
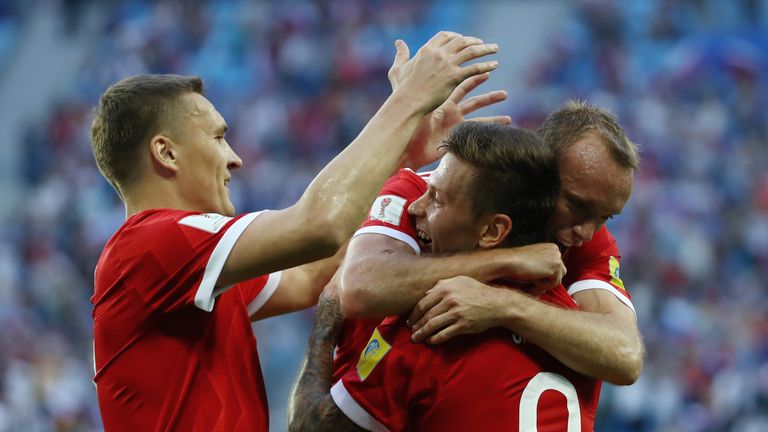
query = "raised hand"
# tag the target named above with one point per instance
(434, 72)
(435, 126)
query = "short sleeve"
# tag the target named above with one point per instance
(596, 265)
(257, 291)
(389, 212)
(177, 258)
(387, 382)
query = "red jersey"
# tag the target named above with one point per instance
(165, 358)
(490, 381)
(389, 217)
(594, 265)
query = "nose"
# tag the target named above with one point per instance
(417, 207)
(234, 161)
(583, 233)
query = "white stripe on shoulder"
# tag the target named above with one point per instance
(588, 284)
(349, 406)
(205, 296)
(390, 232)
(266, 293)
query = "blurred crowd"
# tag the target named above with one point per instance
(297, 80)
(689, 81)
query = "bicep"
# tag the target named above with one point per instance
(367, 265)
(606, 303)
(364, 247)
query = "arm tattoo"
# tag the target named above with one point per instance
(311, 407)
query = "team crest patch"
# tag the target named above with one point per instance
(388, 208)
(615, 273)
(374, 351)
(211, 222)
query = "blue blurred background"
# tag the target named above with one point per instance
(297, 80)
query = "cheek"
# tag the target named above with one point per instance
(561, 217)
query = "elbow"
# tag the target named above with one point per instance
(355, 299)
(322, 237)
(630, 370)
(327, 230)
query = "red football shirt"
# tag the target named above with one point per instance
(172, 351)
(388, 216)
(594, 265)
(490, 381)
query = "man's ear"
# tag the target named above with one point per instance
(494, 230)
(164, 154)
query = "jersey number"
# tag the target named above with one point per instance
(540, 383)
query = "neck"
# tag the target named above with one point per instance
(152, 196)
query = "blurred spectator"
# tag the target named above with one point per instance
(297, 79)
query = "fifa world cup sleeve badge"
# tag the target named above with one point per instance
(374, 351)
(615, 275)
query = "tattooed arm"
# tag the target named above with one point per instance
(311, 407)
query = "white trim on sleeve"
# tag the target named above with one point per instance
(349, 406)
(205, 297)
(588, 284)
(390, 232)
(266, 293)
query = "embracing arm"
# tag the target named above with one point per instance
(383, 276)
(310, 406)
(600, 340)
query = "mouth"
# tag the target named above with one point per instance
(423, 239)
(561, 244)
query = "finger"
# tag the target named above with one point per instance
(467, 86)
(481, 101)
(402, 55)
(429, 314)
(472, 52)
(443, 37)
(502, 120)
(478, 68)
(425, 304)
(445, 334)
(459, 44)
(432, 326)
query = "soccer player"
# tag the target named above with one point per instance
(596, 162)
(177, 284)
(495, 187)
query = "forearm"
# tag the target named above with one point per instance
(310, 406)
(594, 344)
(343, 191)
(391, 283)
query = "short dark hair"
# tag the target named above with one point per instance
(575, 119)
(515, 174)
(129, 112)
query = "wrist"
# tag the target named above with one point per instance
(408, 101)
(501, 263)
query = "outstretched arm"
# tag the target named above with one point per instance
(335, 202)
(310, 406)
(600, 340)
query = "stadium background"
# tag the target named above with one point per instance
(297, 79)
